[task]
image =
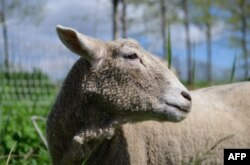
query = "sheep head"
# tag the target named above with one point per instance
(127, 81)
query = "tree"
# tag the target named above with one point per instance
(160, 20)
(163, 27)
(203, 17)
(116, 18)
(124, 18)
(5, 37)
(18, 9)
(237, 18)
(188, 43)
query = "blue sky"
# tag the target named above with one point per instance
(93, 18)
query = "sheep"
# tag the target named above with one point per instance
(220, 118)
(112, 83)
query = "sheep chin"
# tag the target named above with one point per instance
(172, 113)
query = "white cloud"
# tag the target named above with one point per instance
(178, 35)
(89, 17)
(218, 30)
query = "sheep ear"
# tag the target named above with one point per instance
(87, 47)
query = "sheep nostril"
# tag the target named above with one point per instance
(186, 95)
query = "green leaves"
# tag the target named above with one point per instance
(169, 49)
(24, 94)
(233, 69)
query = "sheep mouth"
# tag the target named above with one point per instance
(185, 109)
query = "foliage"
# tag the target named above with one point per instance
(202, 14)
(151, 14)
(237, 18)
(24, 10)
(233, 69)
(193, 71)
(9, 156)
(233, 13)
(169, 49)
(22, 95)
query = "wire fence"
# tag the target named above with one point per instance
(28, 87)
(35, 70)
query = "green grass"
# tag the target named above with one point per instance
(19, 128)
(169, 49)
(233, 69)
(23, 95)
(9, 156)
(202, 156)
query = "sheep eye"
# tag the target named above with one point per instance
(131, 56)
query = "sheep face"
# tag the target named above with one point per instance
(126, 81)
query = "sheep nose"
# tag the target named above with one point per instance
(186, 95)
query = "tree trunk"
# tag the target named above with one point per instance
(124, 19)
(209, 53)
(5, 38)
(208, 24)
(163, 30)
(243, 38)
(115, 19)
(188, 44)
